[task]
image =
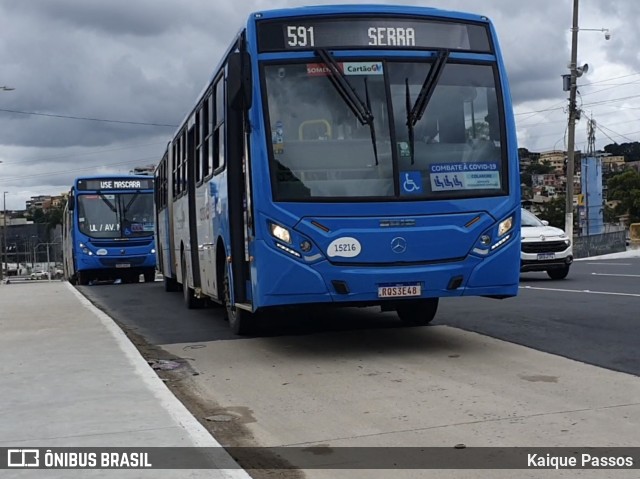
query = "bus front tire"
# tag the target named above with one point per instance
(150, 276)
(418, 313)
(82, 278)
(240, 320)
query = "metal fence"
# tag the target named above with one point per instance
(594, 245)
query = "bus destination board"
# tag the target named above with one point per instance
(375, 32)
(103, 184)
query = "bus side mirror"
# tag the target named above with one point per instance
(239, 80)
(72, 202)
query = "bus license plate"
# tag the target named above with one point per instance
(399, 291)
(123, 265)
(543, 256)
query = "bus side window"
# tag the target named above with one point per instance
(217, 122)
(197, 145)
(205, 134)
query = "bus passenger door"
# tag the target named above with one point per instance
(238, 174)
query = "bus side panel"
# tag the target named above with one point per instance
(182, 250)
(205, 239)
(164, 243)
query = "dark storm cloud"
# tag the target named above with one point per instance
(132, 61)
(146, 61)
(117, 17)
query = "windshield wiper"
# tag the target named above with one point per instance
(371, 125)
(415, 112)
(133, 198)
(111, 206)
(348, 93)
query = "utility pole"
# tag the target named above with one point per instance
(4, 212)
(573, 67)
(4, 230)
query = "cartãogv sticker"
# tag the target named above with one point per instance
(345, 247)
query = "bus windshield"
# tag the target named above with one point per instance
(121, 215)
(320, 150)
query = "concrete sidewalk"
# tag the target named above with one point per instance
(69, 377)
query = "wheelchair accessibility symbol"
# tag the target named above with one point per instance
(411, 182)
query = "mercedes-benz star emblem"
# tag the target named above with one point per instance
(542, 238)
(399, 245)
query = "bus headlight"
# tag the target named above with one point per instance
(153, 251)
(281, 233)
(505, 226)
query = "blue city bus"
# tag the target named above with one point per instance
(108, 230)
(345, 155)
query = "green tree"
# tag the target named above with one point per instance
(554, 212)
(609, 214)
(630, 151)
(52, 217)
(539, 168)
(37, 215)
(625, 188)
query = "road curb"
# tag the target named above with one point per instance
(196, 431)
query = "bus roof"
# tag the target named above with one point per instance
(367, 9)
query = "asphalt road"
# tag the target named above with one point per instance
(358, 377)
(592, 316)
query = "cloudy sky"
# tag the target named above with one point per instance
(101, 84)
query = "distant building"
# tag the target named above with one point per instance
(45, 202)
(41, 202)
(548, 179)
(612, 164)
(555, 159)
(633, 165)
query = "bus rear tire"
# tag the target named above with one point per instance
(240, 320)
(418, 313)
(171, 285)
(82, 278)
(188, 294)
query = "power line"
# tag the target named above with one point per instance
(79, 155)
(605, 134)
(554, 108)
(610, 79)
(617, 134)
(70, 117)
(89, 168)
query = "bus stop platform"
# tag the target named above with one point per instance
(70, 378)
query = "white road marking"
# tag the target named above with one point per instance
(610, 264)
(581, 291)
(621, 275)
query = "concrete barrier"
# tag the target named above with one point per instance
(595, 245)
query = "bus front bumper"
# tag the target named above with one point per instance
(281, 280)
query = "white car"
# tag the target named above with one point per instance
(39, 275)
(544, 248)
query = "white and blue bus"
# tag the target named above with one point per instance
(108, 230)
(345, 155)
